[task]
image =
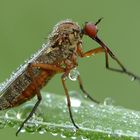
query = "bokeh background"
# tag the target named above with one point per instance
(24, 25)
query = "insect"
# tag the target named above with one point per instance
(59, 55)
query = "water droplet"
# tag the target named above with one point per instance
(108, 101)
(73, 137)
(62, 135)
(30, 127)
(22, 130)
(24, 111)
(133, 78)
(54, 134)
(32, 124)
(11, 118)
(129, 133)
(75, 102)
(48, 96)
(73, 74)
(75, 94)
(108, 130)
(10, 114)
(98, 128)
(109, 135)
(75, 110)
(42, 130)
(91, 105)
(84, 138)
(2, 123)
(118, 132)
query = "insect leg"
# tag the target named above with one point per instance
(48, 67)
(30, 70)
(37, 103)
(84, 91)
(108, 51)
(68, 98)
(90, 52)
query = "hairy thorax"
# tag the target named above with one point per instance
(64, 41)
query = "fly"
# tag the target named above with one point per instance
(59, 55)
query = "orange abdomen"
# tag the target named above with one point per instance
(31, 90)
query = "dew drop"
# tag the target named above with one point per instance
(73, 137)
(75, 94)
(84, 138)
(62, 135)
(109, 135)
(75, 102)
(133, 78)
(129, 133)
(54, 134)
(108, 101)
(30, 127)
(2, 124)
(42, 130)
(73, 74)
(75, 110)
(109, 130)
(22, 130)
(24, 111)
(98, 128)
(10, 116)
(118, 132)
(91, 105)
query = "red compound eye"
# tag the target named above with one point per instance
(90, 29)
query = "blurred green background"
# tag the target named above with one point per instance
(25, 24)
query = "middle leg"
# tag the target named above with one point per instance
(84, 91)
(68, 98)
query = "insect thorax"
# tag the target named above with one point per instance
(65, 36)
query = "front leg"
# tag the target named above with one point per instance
(107, 52)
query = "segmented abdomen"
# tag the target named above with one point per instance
(10, 99)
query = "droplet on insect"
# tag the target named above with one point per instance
(108, 101)
(73, 74)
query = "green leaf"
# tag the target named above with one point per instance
(95, 121)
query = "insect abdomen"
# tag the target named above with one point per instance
(28, 93)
